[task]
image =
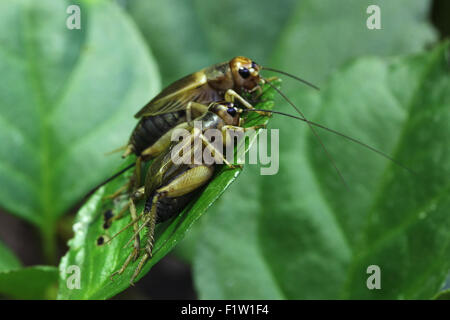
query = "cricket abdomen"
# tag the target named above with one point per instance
(167, 208)
(150, 129)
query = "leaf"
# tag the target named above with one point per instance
(330, 33)
(66, 100)
(443, 295)
(8, 260)
(37, 282)
(302, 235)
(242, 29)
(98, 262)
(296, 36)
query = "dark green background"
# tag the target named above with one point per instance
(292, 235)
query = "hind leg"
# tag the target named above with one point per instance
(187, 182)
(137, 247)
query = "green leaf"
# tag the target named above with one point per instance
(37, 282)
(443, 295)
(321, 35)
(98, 262)
(66, 100)
(302, 235)
(308, 37)
(8, 260)
(202, 33)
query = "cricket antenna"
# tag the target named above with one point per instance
(113, 177)
(292, 76)
(312, 129)
(381, 153)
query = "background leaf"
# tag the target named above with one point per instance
(8, 260)
(98, 262)
(36, 283)
(249, 28)
(321, 35)
(320, 246)
(308, 37)
(443, 295)
(55, 125)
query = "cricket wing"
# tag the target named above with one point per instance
(176, 96)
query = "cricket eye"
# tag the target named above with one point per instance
(232, 111)
(244, 72)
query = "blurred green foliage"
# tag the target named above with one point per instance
(8, 260)
(69, 96)
(32, 283)
(65, 102)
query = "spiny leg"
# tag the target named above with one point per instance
(185, 183)
(136, 250)
(137, 240)
(122, 269)
(150, 236)
(134, 221)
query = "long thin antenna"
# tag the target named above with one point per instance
(381, 153)
(312, 129)
(293, 77)
(113, 176)
(124, 228)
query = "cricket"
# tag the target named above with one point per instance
(219, 97)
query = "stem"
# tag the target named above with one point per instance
(48, 236)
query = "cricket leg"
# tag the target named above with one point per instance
(138, 194)
(119, 191)
(185, 183)
(150, 223)
(162, 143)
(258, 89)
(227, 139)
(137, 240)
(194, 110)
(137, 247)
(132, 184)
(236, 128)
(216, 153)
(122, 269)
(231, 96)
(230, 132)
